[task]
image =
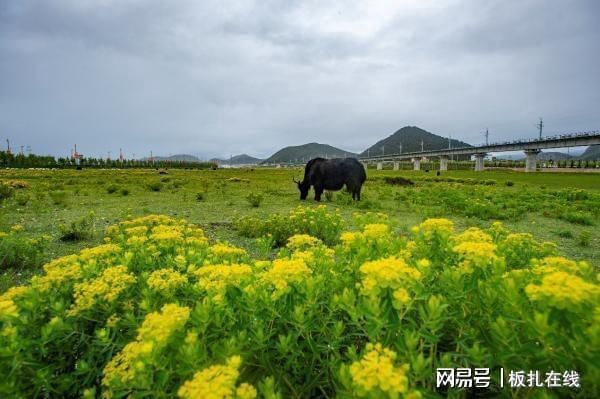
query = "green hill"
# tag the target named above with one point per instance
(410, 138)
(242, 159)
(303, 153)
(176, 157)
(592, 153)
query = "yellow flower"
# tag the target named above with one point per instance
(401, 297)
(552, 264)
(472, 234)
(475, 254)
(217, 382)
(221, 250)
(432, 226)
(300, 241)
(153, 336)
(8, 309)
(217, 278)
(99, 252)
(245, 391)
(348, 238)
(166, 280)
(106, 288)
(284, 272)
(375, 230)
(386, 273)
(563, 290)
(376, 373)
(17, 228)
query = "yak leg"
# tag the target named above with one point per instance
(318, 192)
(358, 193)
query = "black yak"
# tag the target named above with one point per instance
(332, 174)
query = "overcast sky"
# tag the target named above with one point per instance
(214, 78)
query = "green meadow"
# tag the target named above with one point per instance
(559, 207)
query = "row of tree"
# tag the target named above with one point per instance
(9, 160)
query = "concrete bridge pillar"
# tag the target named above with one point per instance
(479, 166)
(396, 165)
(417, 163)
(379, 165)
(444, 162)
(531, 160)
(365, 165)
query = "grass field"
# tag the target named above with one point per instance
(224, 284)
(62, 196)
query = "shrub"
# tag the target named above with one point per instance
(22, 199)
(6, 191)
(200, 196)
(58, 197)
(565, 234)
(254, 199)
(125, 191)
(155, 186)
(509, 183)
(237, 180)
(578, 217)
(83, 228)
(17, 251)
(584, 239)
(159, 312)
(112, 189)
(317, 222)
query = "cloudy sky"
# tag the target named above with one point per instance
(214, 78)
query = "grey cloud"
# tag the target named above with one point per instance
(216, 78)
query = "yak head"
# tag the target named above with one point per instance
(303, 187)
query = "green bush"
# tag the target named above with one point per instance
(509, 183)
(22, 199)
(578, 217)
(254, 199)
(584, 239)
(83, 228)
(125, 191)
(6, 191)
(565, 234)
(17, 251)
(58, 197)
(155, 186)
(316, 221)
(200, 196)
(112, 189)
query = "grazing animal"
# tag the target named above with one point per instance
(332, 174)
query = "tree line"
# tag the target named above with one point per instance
(10, 160)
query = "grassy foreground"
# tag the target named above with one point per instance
(238, 291)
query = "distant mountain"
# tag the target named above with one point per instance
(303, 153)
(553, 156)
(410, 137)
(242, 159)
(592, 153)
(176, 157)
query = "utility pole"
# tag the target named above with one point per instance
(487, 134)
(540, 126)
(7, 147)
(22, 153)
(422, 146)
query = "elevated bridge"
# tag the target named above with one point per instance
(531, 148)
